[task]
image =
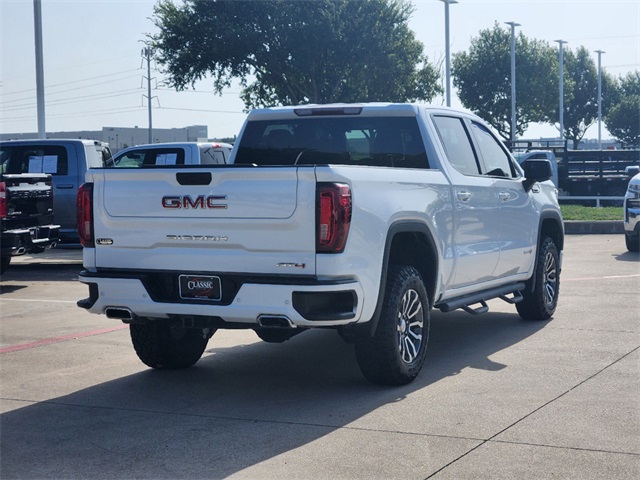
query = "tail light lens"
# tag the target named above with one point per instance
(333, 217)
(85, 215)
(3, 200)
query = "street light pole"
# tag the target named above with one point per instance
(37, 22)
(513, 78)
(600, 52)
(447, 61)
(561, 56)
(147, 53)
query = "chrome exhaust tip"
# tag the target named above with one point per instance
(120, 313)
(275, 321)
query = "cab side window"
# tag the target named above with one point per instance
(496, 160)
(457, 144)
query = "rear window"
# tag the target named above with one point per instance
(376, 141)
(33, 159)
(150, 157)
(212, 156)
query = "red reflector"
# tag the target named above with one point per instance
(333, 217)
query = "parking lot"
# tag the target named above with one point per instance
(498, 397)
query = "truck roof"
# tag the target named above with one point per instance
(48, 141)
(179, 144)
(339, 109)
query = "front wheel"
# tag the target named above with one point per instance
(5, 260)
(163, 345)
(541, 303)
(633, 243)
(396, 352)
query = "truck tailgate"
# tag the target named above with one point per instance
(259, 220)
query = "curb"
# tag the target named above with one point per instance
(601, 227)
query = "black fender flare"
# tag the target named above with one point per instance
(401, 226)
(544, 216)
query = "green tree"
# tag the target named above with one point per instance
(482, 77)
(294, 52)
(623, 118)
(581, 94)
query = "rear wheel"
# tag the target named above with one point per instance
(541, 303)
(396, 352)
(619, 191)
(163, 345)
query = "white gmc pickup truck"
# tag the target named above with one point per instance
(359, 218)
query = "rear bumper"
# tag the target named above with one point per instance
(304, 305)
(29, 240)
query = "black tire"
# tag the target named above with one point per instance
(542, 302)
(5, 260)
(633, 243)
(396, 352)
(619, 191)
(161, 345)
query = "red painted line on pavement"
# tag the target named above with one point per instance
(48, 341)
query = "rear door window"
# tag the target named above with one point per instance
(457, 144)
(150, 157)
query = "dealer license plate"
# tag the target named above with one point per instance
(200, 287)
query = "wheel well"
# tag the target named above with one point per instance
(415, 249)
(551, 228)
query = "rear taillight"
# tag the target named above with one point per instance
(3, 200)
(84, 215)
(333, 217)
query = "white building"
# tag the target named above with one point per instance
(122, 137)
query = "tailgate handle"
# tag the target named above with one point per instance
(194, 178)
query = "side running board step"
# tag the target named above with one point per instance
(466, 302)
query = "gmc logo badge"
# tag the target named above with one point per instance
(201, 201)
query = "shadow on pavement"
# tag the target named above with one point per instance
(238, 407)
(628, 257)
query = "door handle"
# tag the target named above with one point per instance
(64, 187)
(504, 196)
(463, 196)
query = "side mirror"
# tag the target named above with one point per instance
(632, 170)
(536, 170)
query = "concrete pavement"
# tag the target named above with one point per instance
(498, 398)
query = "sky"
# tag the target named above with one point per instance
(93, 67)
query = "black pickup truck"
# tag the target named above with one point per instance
(585, 172)
(596, 172)
(26, 215)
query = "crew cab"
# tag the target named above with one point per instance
(355, 217)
